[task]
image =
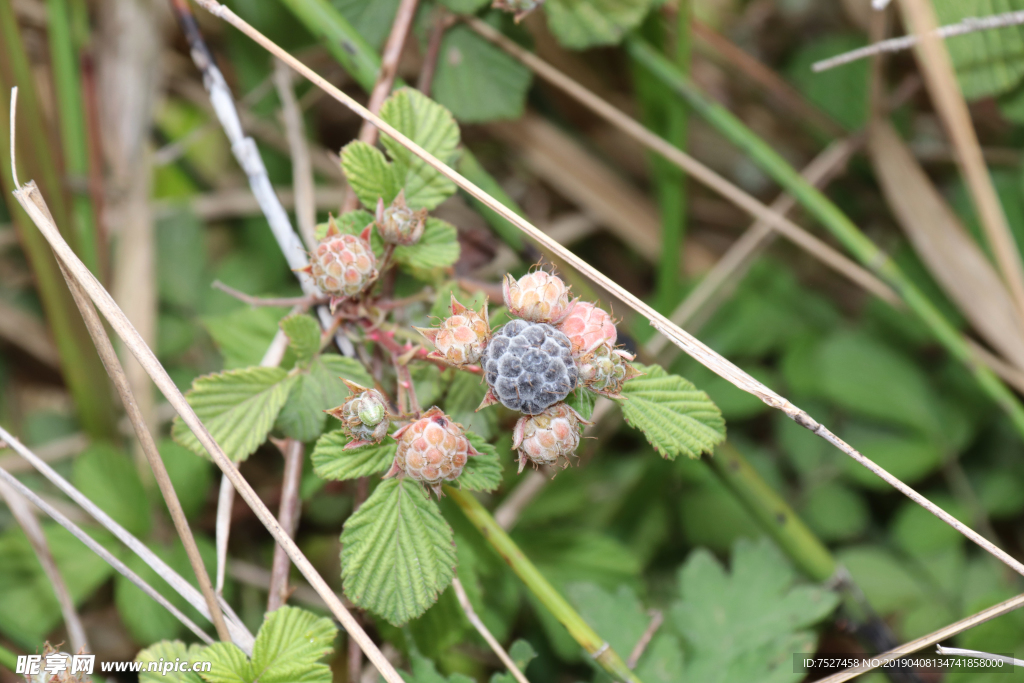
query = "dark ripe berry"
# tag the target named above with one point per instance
(529, 366)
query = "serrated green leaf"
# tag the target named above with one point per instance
(579, 24)
(987, 62)
(482, 472)
(228, 664)
(242, 336)
(288, 648)
(397, 552)
(170, 651)
(744, 625)
(676, 417)
(369, 173)
(290, 645)
(331, 461)
(239, 408)
(432, 127)
(303, 334)
(438, 248)
(317, 389)
(464, 396)
(478, 81)
(618, 617)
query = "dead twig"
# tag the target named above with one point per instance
(26, 519)
(645, 639)
(482, 629)
(302, 167)
(288, 515)
(963, 27)
(10, 481)
(442, 20)
(303, 302)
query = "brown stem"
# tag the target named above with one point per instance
(442, 21)
(288, 516)
(385, 79)
(304, 301)
(638, 650)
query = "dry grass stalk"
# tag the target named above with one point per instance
(8, 480)
(117, 374)
(940, 78)
(302, 166)
(694, 168)
(951, 255)
(485, 633)
(967, 25)
(692, 346)
(26, 519)
(28, 197)
(729, 269)
(235, 202)
(933, 638)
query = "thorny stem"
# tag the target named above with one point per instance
(691, 345)
(581, 632)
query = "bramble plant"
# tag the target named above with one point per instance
(547, 357)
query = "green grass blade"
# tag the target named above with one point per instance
(71, 116)
(80, 364)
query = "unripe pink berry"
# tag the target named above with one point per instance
(539, 297)
(342, 265)
(397, 223)
(460, 339)
(588, 327)
(433, 449)
(545, 438)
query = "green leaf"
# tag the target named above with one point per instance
(432, 127)
(835, 512)
(482, 472)
(464, 6)
(438, 248)
(987, 62)
(238, 407)
(478, 81)
(920, 533)
(674, 415)
(317, 389)
(303, 334)
(180, 259)
(372, 20)
(425, 671)
(190, 476)
(331, 461)
(288, 648)
(243, 335)
(746, 624)
(290, 645)
(108, 477)
(841, 93)
(521, 653)
(397, 552)
(582, 401)
(369, 173)
(865, 376)
(464, 396)
(170, 651)
(28, 607)
(579, 24)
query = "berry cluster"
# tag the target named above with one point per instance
(533, 362)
